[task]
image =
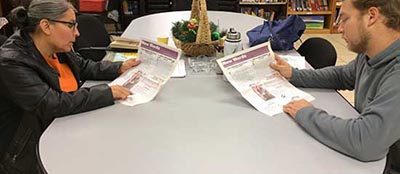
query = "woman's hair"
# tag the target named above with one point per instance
(38, 10)
(388, 8)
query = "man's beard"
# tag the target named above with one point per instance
(361, 46)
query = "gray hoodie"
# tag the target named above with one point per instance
(376, 83)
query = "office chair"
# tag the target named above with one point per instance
(318, 52)
(93, 40)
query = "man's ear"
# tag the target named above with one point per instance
(44, 25)
(374, 15)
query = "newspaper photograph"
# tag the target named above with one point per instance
(158, 62)
(264, 88)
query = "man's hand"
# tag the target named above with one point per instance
(295, 105)
(129, 64)
(282, 67)
(120, 92)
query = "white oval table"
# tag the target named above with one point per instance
(196, 125)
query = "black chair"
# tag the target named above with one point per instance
(2, 39)
(214, 5)
(93, 40)
(227, 5)
(318, 52)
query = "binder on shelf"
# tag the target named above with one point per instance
(299, 5)
(324, 5)
(320, 7)
(308, 4)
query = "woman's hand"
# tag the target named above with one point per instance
(128, 65)
(120, 92)
(282, 67)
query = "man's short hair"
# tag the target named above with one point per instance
(388, 8)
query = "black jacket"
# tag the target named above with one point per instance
(30, 98)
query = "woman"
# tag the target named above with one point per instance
(40, 79)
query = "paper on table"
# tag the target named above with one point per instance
(124, 43)
(180, 70)
(295, 61)
(119, 57)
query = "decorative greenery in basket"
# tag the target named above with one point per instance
(194, 36)
(186, 31)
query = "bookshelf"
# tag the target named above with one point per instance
(267, 9)
(324, 10)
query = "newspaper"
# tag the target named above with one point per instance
(264, 88)
(158, 61)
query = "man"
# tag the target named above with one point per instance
(370, 28)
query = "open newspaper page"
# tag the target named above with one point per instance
(249, 72)
(158, 61)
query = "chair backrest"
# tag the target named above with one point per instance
(214, 5)
(157, 6)
(2, 39)
(318, 52)
(226, 5)
(92, 34)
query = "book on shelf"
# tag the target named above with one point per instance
(317, 18)
(324, 5)
(308, 5)
(249, 10)
(314, 26)
(313, 22)
(260, 12)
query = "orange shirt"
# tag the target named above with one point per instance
(65, 76)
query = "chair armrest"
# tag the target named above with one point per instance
(93, 48)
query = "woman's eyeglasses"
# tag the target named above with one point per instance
(71, 25)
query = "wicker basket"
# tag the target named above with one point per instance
(203, 44)
(196, 49)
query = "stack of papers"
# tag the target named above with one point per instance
(298, 62)
(179, 69)
(124, 43)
